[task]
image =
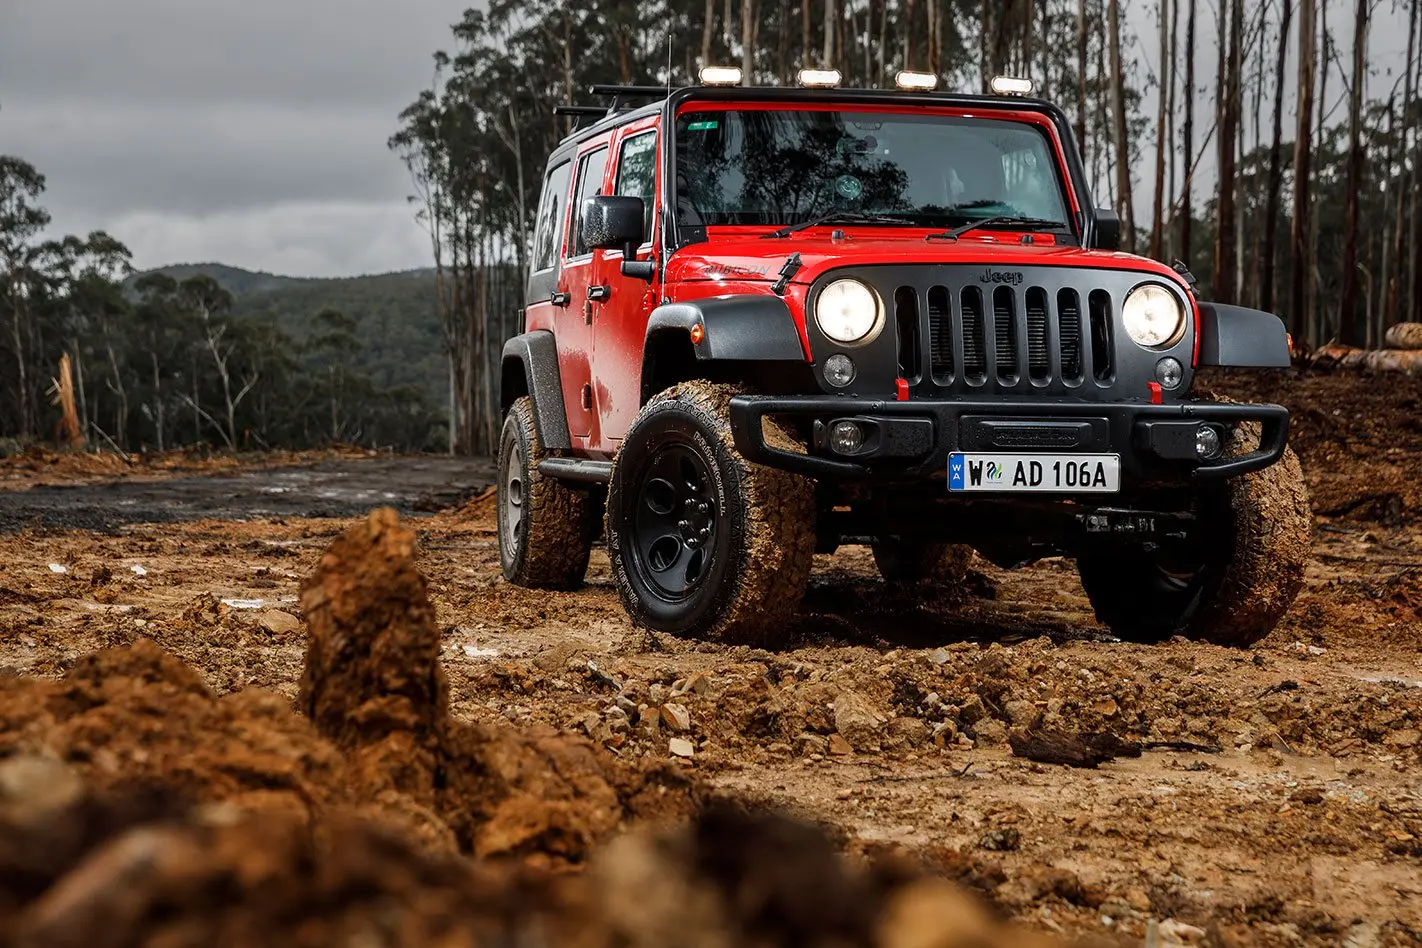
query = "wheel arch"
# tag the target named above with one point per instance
(530, 367)
(746, 338)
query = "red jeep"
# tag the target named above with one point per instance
(764, 322)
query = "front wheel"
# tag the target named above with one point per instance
(702, 542)
(1234, 583)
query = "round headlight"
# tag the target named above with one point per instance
(1153, 316)
(847, 311)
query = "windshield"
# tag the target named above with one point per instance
(758, 166)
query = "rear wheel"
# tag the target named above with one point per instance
(1233, 584)
(701, 541)
(545, 527)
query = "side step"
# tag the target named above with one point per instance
(577, 469)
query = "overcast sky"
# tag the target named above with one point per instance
(252, 132)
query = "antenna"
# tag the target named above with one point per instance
(669, 50)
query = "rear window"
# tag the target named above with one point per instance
(548, 235)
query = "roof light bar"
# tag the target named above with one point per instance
(916, 81)
(819, 78)
(720, 75)
(1013, 85)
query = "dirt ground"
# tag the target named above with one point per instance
(1298, 820)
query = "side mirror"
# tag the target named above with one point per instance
(614, 223)
(1107, 228)
(617, 223)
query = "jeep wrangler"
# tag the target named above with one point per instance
(764, 322)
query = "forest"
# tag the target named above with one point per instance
(173, 358)
(1186, 114)
(1260, 144)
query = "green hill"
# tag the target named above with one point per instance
(395, 313)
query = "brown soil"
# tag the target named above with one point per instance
(43, 466)
(884, 719)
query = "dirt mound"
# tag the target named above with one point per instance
(138, 808)
(141, 869)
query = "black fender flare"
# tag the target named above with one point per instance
(1237, 337)
(533, 358)
(745, 327)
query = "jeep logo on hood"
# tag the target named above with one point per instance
(1009, 277)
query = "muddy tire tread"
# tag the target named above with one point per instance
(766, 586)
(559, 518)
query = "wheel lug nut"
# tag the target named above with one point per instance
(703, 507)
(705, 532)
(683, 524)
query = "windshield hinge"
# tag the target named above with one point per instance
(791, 267)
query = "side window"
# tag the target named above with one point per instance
(637, 173)
(548, 236)
(590, 172)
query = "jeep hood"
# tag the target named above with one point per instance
(742, 257)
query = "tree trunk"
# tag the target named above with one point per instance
(747, 42)
(1157, 229)
(1187, 211)
(1228, 92)
(1081, 76)
(1126, 204)
(828, 58)
(1351, 329)
(1303, 172)
(1276, 169)
(804, 32)
(708, 30)
(1407, 175)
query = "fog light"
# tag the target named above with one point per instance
(846, 437)
(1169, 372)
(1207, 442)
(839, 370)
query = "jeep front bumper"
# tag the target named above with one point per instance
(911, 440)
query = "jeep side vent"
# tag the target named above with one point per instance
(940, 324)
(1004, 318)
(906, 319)
(1100, 305)
(974, 343)
(1069, 332)
(1039, 363)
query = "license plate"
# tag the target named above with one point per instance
(1051, 473)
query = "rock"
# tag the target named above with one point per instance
(1106, 707)
(649, 722)
(905, 733)
(1406, 737)
(681, 747)
(1021, 713)
(676, 717)
(696, 684)
(1004, 840)
(1138, 900)
(32, 787)
(990, 732)
(1310, 795)
(557, 658)
(780, 749)
(938, 656)
(839, 746)
(971, 711)
(945, 733)
(1362, 935)
(857, 721)
(279, 623)
(1174, 932)
(812, 744)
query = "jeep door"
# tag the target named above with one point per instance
(620, 317)
(573, 303)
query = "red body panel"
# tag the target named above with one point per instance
(600, 343)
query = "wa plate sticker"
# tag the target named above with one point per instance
(705, 125)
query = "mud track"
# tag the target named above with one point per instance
(887, 720)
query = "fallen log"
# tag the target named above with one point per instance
(1404, 336)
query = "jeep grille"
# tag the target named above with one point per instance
(967, 329)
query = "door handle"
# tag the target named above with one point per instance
(560, 298)
(599, 293)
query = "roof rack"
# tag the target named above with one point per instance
(637, 92)
(583, 111)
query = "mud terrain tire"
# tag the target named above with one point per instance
(1257, 534)
(921, 563)
(678, 474)
(545, 526)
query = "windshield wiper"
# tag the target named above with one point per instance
(837, 217)
(1015, 223)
